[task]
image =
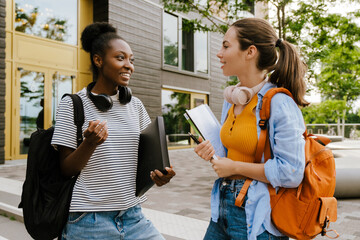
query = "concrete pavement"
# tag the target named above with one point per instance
(180, 209)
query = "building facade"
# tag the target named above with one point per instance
(2, 80)
(41, 59)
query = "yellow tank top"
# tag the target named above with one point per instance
(239, 135)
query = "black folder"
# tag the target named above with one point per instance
(153, 154)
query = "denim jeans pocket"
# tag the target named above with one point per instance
(75, 217)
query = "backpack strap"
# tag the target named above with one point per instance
(79, 117)
(263, 146)
(263, 122)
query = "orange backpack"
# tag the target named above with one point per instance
(305, 211)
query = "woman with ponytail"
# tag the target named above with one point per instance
(253, 52)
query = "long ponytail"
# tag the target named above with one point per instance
(288, 70)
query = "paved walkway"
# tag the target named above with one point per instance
(180, 210)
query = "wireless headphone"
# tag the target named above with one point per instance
(241, 95)
(104, 102)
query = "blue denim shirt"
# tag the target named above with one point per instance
(285, 169)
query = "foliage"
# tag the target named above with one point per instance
(325, 112)
(233, 80)
(34, 89)
(330, 45)
(170, 53)
(353, 117)
(54, 28)
(209, 13)
(329, 42)
(24, 21)
(174, 119)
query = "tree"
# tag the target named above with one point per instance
(54, 28)
(175, 122)
(329, 42)
(325, 112)
(332, 52)
(207, 13)
(24, 22)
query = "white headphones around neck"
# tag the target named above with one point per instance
(241, 95)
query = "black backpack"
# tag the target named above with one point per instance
(46, 193)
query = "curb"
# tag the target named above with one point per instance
(11, 212)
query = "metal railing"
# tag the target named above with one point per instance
(347, 130)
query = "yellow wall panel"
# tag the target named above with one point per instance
(84, 61)
(8, 49)
(85, 8)
(83, 80)
(44, 52)
(9, 15)
(8, 115)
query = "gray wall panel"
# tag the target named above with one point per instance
(185, 81)
(218, 81)
(139, 22)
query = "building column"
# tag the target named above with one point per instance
(2, 80)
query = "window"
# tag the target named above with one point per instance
(173, 106)
(187, 49)
(61, 84)
(250, 11)
(31, 106)
(55, 20)
(201, 52)
(251, 5)
(170, 39)
(193, 51)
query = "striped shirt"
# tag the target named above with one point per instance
(107, 182)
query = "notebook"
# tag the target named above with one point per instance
(153, 154)
(205, 124)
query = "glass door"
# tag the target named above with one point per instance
(174, 103)
(36, 100)
(196, 100)
(31, 111)
(61, 84)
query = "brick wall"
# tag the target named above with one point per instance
(2, 80)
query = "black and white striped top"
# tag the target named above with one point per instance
(107, 182)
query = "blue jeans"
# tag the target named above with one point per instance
(127, 224)
(232, 224)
